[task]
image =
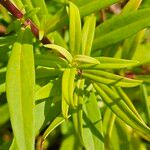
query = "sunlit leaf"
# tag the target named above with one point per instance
(20, 82)
(88, 34)
(55, 123)
(110, 63)
(84, 59)
(74, 29)
(110, 78)
(93, 122)
(120, 27)
(60, 50)
(115, 103)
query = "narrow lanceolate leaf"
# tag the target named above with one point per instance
(58, 39)
(8, 39)
(77, 116)
(20, 82)
(44, 92)
(127, 100)
(95, 5)
(55, 123)
(64, 107)
(74, 29)
(93, 123)
(88, 34)
(42, 5)
(131, 5)
(108, 134)
(110, 63)
(30, 8)
(60, 50)
(83, 59)
(110, 78)
(50, 61)
(145, 102)
(68, 85)
(130, 44)
(117, 61)
(40, 109)
(65, 84)
(71, 85)
(56, 21)
(115, 103)
(120, 27)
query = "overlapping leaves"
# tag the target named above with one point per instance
(81, 78)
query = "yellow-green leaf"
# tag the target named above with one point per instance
(74, 29)
(88, 34)
(60, 50)
(20, 83)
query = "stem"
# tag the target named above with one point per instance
(12, 8)
(19, 15)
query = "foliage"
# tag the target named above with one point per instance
(74, 74)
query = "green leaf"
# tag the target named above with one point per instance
(55, 123)
(145, 78)
(126, 99)
(69, 141)
(2, 80)
(68, 86)
(110, 63)
(130, 44)
(145, 102)
(56, 21)
(115, 103)
(50, 60)
(120, 27)
(71, 85)
(42, 5)
(74, 29)
(4, 111)
(13, 145)
(44, 92)
(64, 107)
(88, 139)
(142, 54)
(124, 134)
(93, 121)
(81, 59)
(60, 50)
(109, 129)
(7, 39)
(60, 18)
(78, 114)
(65, 84)
(88, 34)
(110, 78)
(41, 34)
(95, 5)
(58, 39)
(44, 72)
(131, 5)
(40, 109)
(113, 142)
(20, 82)
(29, 8)
(48, 104)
